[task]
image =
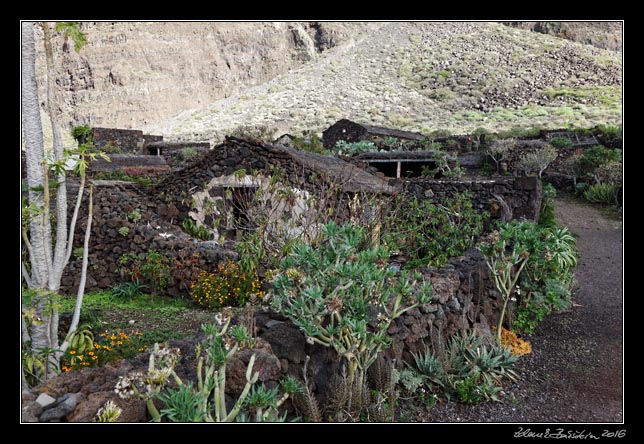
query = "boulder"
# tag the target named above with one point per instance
(30, 411)
(63, 405)
(132, 410)
(45, 400)
(267, 365)
(286, 341)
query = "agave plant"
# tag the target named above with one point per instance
(564, 250)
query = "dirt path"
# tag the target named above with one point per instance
(575, 371)
(590, 386)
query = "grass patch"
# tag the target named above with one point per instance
(159, 319)
(605, 95)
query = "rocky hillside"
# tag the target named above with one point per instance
(425, 76)
(606, 35)
(134, 73)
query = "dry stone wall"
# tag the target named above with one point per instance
(522, 194)
(115, 232)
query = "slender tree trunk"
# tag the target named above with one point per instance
(39, 226)
(60, 250)
(35, 154)
(83, 278)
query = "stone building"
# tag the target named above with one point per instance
(350, 131)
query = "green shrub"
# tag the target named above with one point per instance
(547, 279)
(128, 289)
(104, 348)
(341, 294)
(520, 133)
(345, 148)
(194, 230)
(499, 149)
(82, 133)
(594, 157)
(554, 297)
(122, 175)
(188, 153)
(312, 145)
(228, 286)
(561, 142)
(601, 193)
(469, 369)
(432, 233)
(536, 162)
(134, 216)
(254, 132)
(581, 188)
(547, 216)
(153, 268)
(609, 131)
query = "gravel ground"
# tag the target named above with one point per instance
(574, 374)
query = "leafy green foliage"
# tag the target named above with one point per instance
(205, 401)
(230, 285)
(561, 142)
(153, 268)
(254, 132)
(432, 233)
(196, 230)
(128, 289)
(469, 370)
(188, 153)
(547, 216)
(609, 131)
(312, 144)
(552, 256)
(183, 404)
(342, 294)
(345, 148)
(134, 216)
(554, 296)
(72, 30)
(594, 157)
(82, 133)
(520, 133)
(601, 193)
(87, 350)
(443, 168)
(122, 175)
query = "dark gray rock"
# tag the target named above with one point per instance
(64, 405)
(286, 340)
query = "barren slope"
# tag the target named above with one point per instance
(423, 76)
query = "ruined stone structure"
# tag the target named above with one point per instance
(126, 140)
(349, 131)
(521, 194)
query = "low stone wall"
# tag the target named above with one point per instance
(129, 141)
(173, 154)
(522, 194)
(157, 229)
(463, 298)
(150, 164)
